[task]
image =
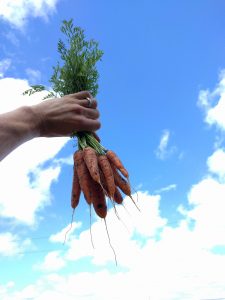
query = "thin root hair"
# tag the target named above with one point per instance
(71, 225)
(90, 229)
(110, 242)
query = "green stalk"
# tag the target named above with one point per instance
(92, 142)
(87, 139)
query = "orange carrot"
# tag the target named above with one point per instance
(114, 159)
(107, 177)
(93, 192)
(103, 183)
(121, 182)
(91, 160)
(76, 190)
(117, 197)
(98, 200)
(84, 176)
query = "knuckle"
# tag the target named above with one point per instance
(78, 109)
(98, 125)
(88, 94)
(95, 103)
(97, 113)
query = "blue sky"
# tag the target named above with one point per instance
(162, 105)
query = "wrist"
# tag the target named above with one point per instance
(32, 120)
(39, 117)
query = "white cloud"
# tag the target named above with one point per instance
(17, 12)
(26, 198)
(207, 197)
(216, 163)
(163, 151)
(52, 262)
(213, 103)
(4, 65)
(23, 167)
(215, 115)
(5, 289)
(11, 94)
(12, 245)
(131, 222)
(64, 233)
(161, 263)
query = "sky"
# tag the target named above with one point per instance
(162, 108)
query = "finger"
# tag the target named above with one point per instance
(87, 103)
(89, 124)
(82, 95)
(90, 113)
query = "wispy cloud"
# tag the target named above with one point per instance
(11, 36)
(12, 245)
(166, 188)
(34, 76)
(17, 12)
(163, 150)
(4, 66)
(213, 103)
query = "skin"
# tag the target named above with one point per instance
(50, 118)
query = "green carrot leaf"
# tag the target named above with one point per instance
(77, 70)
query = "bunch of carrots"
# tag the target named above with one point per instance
(99, 174)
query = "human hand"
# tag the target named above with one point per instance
(63, 116)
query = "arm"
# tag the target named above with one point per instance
(50, 118)
(16, 127)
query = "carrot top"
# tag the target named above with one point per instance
(75, 72)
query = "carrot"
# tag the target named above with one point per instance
(123, 184)
(84, 176)
(91, 160)
(93, 192)
(117, 197)
(107, 177)
(75, 197)
(99, 201)
(113, 157)
(76, 190)
(103, 183)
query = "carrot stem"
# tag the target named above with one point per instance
(86, 139)
(91, 140)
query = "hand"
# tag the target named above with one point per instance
(63, 116)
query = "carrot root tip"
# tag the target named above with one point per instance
(134, 203)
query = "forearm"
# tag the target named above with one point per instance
(16, 127)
